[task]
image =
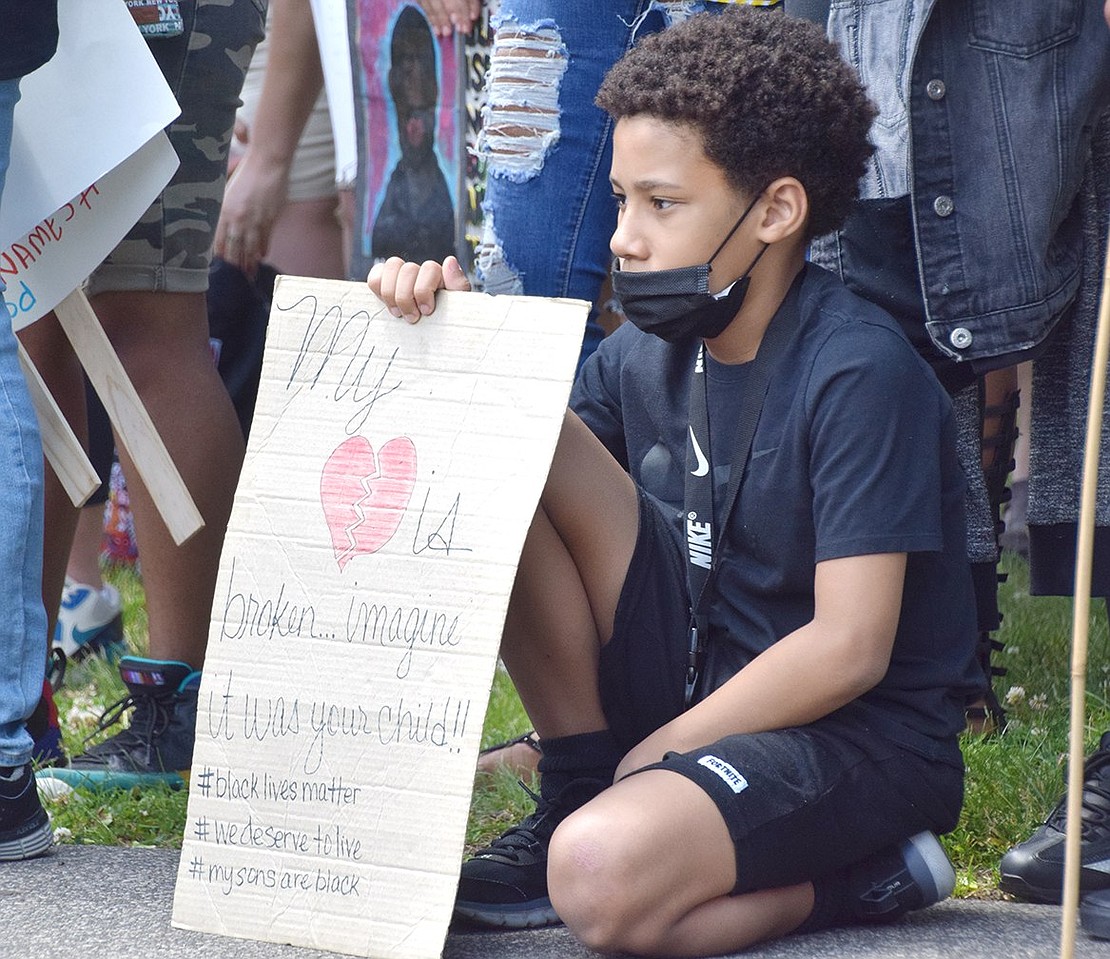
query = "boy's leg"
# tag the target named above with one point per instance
(571, 572)
(561, 612)
(648, 868)
(752, 837)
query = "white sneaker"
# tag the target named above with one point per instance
(89, 621)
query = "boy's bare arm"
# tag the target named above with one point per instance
(836, 657)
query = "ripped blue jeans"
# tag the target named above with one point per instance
(549, 210)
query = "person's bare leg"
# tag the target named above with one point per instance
(999, 388)
(84, 554)
(570, 577)
(56, 362)
(521, 756)
(162, 340)
(647, 868)
(1024, 420)
(307, 239)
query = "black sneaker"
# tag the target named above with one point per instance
(24, 826)
(157, 746)
(505, 884)
(1034, 869)
(912, 875)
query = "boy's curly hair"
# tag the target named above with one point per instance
(770, 96)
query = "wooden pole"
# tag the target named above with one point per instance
(1080, 620)
(128, 415)
(59, 443)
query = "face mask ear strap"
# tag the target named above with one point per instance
(758, 257)
(735, 227)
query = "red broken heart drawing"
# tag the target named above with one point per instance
(365, 495)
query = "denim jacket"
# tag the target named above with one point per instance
(987, 125)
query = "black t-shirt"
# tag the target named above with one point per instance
(854, 454)
(29, 32)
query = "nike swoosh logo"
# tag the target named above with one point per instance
(74, 599)
(80, 639)
(703, 463)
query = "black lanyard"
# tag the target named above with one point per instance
(703, 543)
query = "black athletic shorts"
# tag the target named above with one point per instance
(798, 802)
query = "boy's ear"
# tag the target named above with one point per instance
(785, 210)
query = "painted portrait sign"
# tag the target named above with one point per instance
(409, 135)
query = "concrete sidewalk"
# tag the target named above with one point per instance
(104, 902)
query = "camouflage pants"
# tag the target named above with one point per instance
(169, 249)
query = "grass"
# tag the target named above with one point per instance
(1013, 778)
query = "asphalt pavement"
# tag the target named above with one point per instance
(108, 902)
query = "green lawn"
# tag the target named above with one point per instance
(1013, 778)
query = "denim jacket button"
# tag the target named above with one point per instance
(943, 206)
(935, 89)
(960, 338)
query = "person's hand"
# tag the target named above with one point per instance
(448, 15)
(409, 289)
(1106, 12)
(253, 200)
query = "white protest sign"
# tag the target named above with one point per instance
(392, 473)
(99, 99)
(334, 40)
(46, 264)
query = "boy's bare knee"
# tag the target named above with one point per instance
(592, 886)
(581, 885)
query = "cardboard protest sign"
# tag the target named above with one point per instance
(391, 476)
(97, 101)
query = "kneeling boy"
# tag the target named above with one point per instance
(742, 623)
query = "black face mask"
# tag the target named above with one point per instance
(676, 304)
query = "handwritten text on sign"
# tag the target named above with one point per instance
(43, 266)
(392, 475)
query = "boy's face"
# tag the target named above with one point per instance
(674, 204)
